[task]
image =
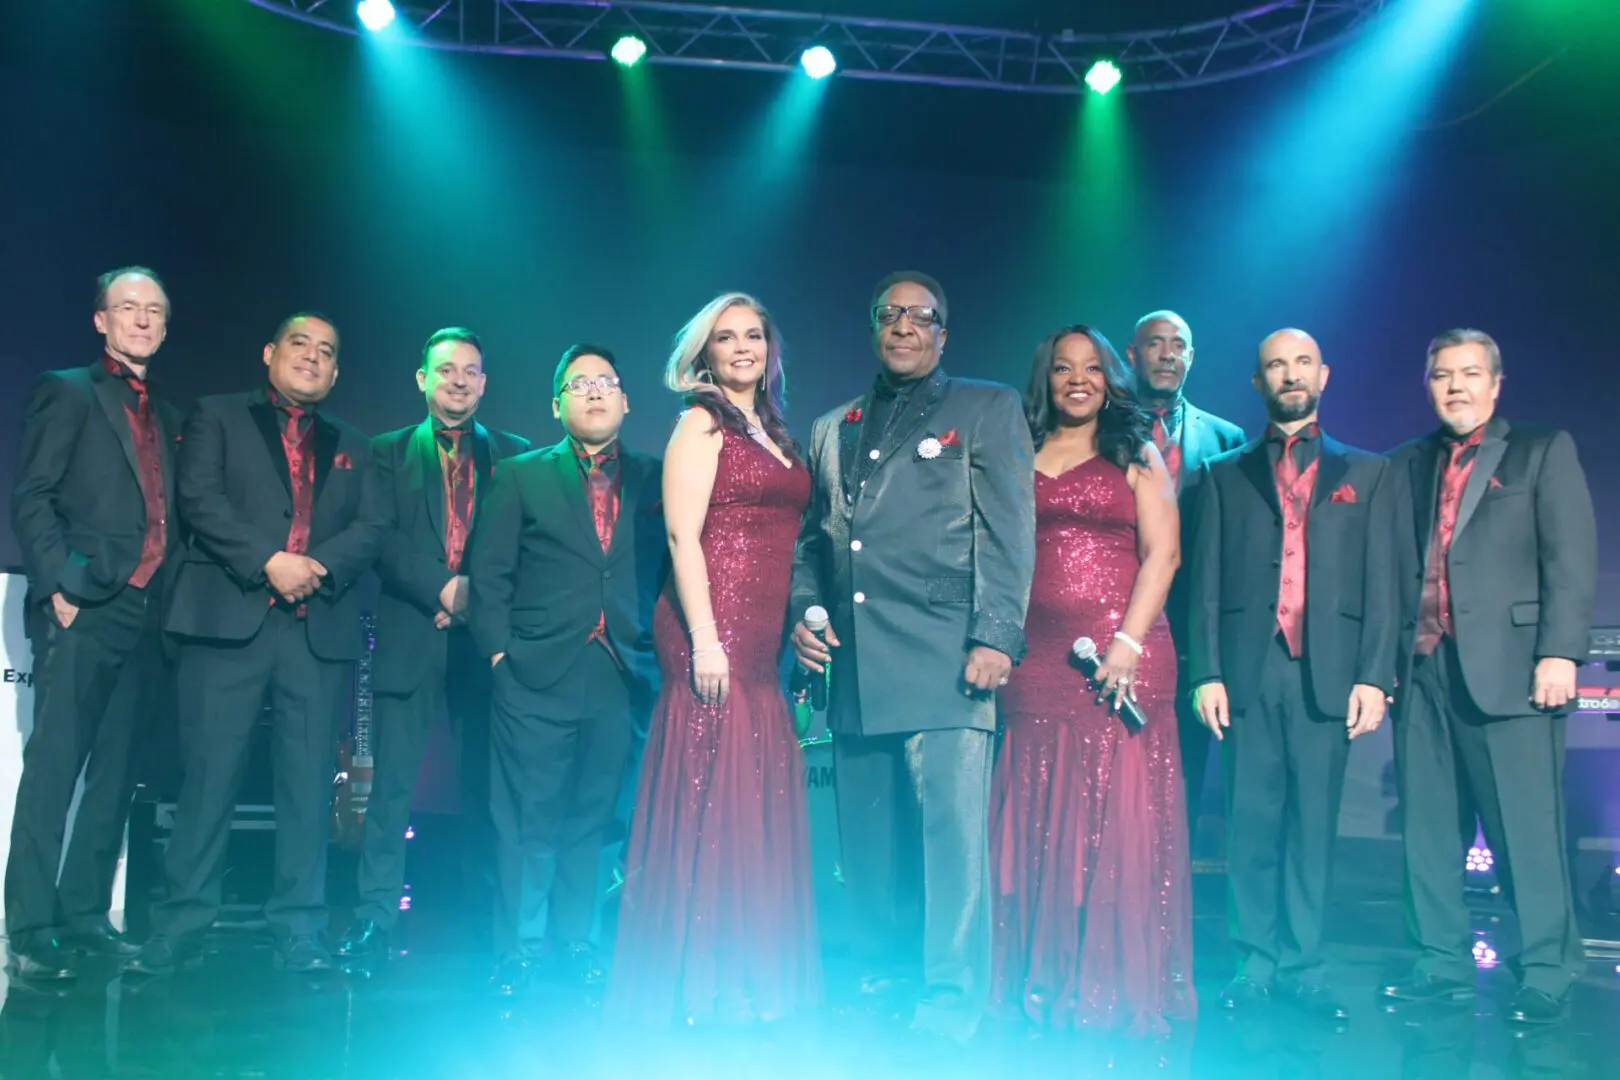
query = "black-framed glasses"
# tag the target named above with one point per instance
(580, 385)
(919, 314)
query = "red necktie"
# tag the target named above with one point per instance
(1294, 496)
(1168, 449)
(301, 472)
(458, 495)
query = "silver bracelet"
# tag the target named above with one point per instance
(705, 652)
(1135, 646)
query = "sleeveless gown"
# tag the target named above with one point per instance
(1088, 835)
(717, 920)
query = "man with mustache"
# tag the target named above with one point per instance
(93, 512)
(430, 478)
(283, 523)
(920, 541)
(1292, 655)
(1498, 570)
(1161, 352)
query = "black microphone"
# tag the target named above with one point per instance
(815, 621)
(1085, 652)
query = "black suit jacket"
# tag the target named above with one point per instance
(236, 499)
(1350, 620)
(1523, 561)
(930, 557)
(1204, 436)
(410, 484)
(76, 506)
(539, 577)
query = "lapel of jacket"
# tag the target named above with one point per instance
(846, 442)
(624, 526)
(1255, 463)
(327, 437)
(483, 459)
(1489, 455)
(106, 387)
(1425, 486)
(571, 487)
(169, 446)
(428, 476)
(268, 419)
(922, 402)
(1332, 465)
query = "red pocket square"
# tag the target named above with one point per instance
(1493, 483)
(342, 461)
(1344, 493)
(950, 438)
(853, 416)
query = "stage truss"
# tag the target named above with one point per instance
(1173, 58)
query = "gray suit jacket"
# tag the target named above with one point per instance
(933, 555)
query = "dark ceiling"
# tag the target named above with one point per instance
(1091, 16)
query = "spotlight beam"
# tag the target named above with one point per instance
(1249, 43)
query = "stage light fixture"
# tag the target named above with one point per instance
(375, 14)
(1479, 860)
(1103, 77)
(818, 62)
(628, 50)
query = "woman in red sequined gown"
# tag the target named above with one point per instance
(1088, 837)
(717, 920)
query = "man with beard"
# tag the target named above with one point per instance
(1161, 352)
(430, 478)
(1293, 635)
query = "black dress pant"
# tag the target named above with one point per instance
(221, 697)
(557, 758)
(1512, 771)
(1285, 765)
(456, 679)
(94, 685)
(913, 823)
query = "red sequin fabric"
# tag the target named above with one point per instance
(717, 922)
(1088, 834)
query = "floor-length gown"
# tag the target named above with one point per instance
(717, 923)
(1088, 835)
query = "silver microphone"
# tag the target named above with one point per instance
(1085, 654)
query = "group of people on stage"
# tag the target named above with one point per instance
(1013, 806)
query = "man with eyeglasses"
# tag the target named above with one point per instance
(1161, 353)
(92, 509)
(431, 476)
(568, 561)
(920, 541)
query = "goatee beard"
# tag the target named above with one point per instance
(1283, 413)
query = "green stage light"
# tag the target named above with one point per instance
(818, 62)
(1103, 77)
(629, 50)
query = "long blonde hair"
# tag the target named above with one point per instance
(688, 372)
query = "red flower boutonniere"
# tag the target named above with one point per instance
(950, 438)
(1494, 484)
(1343, 494)
(342, 461)
(853, 416)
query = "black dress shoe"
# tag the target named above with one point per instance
(512, 976)
(1312, 998)
(1422, 988)
(100, 940)
(44, 963)
(304, 955)
(1535, 1007)
(1244, 993)
(577, 965)
(161, 956)
(364, 939)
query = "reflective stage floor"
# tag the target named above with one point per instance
(427, 1013)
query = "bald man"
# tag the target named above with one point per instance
(1292, 635)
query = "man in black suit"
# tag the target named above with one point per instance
(920, 541)
(1498, 573)
(569, 558)
(429, 477)
(1161, 352)
(91, 509)
(1292, 655)
(282, 525)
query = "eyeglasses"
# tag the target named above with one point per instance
(155, 312)
(920, 315)
(580, 385)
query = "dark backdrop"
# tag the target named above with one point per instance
(262, 166)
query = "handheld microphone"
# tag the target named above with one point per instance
(1085, 653)
(815, 621)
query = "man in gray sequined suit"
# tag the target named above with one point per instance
(920, 542)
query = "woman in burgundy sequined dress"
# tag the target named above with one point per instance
(717, 920)
(1088, 836)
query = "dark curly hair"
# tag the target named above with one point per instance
(1123, 427)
